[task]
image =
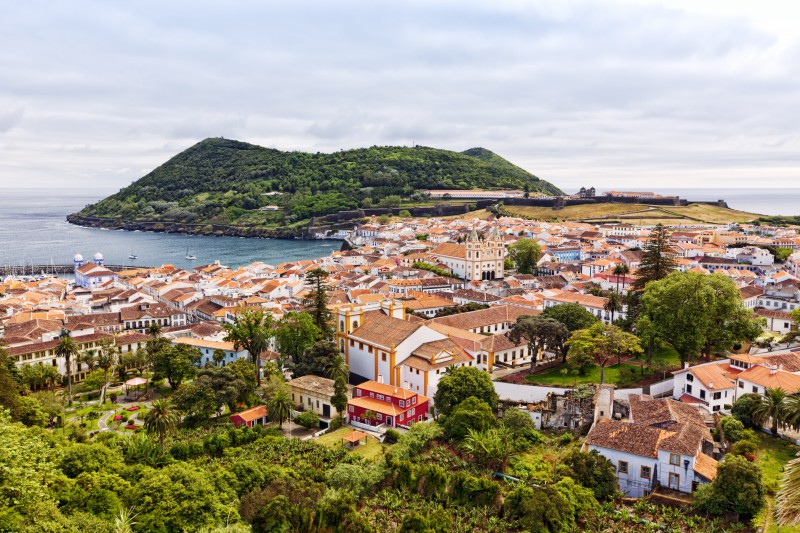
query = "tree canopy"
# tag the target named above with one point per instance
(458, 384)
(525, 254)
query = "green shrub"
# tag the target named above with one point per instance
(392, 435)
(307, 419)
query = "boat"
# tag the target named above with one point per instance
(189, 256)
(133, 256)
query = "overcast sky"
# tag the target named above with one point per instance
(627, 94)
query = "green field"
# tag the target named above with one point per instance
(371, 450)
(637, 214)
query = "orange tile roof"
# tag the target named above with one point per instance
(761, 375)
(389, 390)
(706, 466)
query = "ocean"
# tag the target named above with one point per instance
(34, 230)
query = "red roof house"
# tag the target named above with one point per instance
(393, 406)
(250, 417)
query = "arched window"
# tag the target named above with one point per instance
(341, 325)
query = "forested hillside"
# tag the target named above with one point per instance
(221, 181)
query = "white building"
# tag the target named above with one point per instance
(710, 385)
(663, 443)
(475, 260)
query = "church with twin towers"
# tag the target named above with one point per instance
(478, 259)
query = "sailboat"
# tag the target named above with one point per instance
(133, 255)
(189, 256)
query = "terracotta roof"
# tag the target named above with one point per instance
(425, 357)
(626, 437)
(390, 390)
(384, 330)
(379, 406)
(761, 375)
(485, 317)
(715, 375)
(254, 413)
(705, 466)
(354, 436)
(450, 249)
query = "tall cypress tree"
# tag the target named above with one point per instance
(656, 264)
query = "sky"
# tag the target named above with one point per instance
(627, 94)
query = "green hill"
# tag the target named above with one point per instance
(221, 181)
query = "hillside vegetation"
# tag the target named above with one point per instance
(221, 181)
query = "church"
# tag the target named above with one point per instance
(476, 259)
(92, 275)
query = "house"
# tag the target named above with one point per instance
(663, 442)
(392, 406)
(250, 417)
(594, 304)
(313, 393)
(710, 385)
(142, 316)
(92, 275)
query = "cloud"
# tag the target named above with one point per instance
(623, 93)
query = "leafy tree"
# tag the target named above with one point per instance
(252, 330)
(67, 348)
(773, 408)
(656, 262)
(732, 429)
(296, 333)
(539, 332)
(317, 301)
(339, 398)
(160, 420)
(177, 497)
(176, 363)
(736, 489)
(745, 406)
(470, 414)
(525, 253)
(279, 406)
(521, 425)
(139, 360)
(591, 470)
(573, 316)
(307, 419)
(31, 412)
(601, 342)
(321, 357)
(538, 509)
(80, 458)
(698, 313)
(458, 384)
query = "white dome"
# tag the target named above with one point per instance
(78, 257)
(98, 256)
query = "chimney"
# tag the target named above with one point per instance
(780, 366)
(405, 385)
(710, 385)
(686, 364)
(380, 379)
(773, 369)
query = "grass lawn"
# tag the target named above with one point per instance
(773, 454)
(636, 213)
(371, 450)
(666, 354)
(613, 375)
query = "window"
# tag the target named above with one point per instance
(645, 472)
(414, 400)
(689, 389)
(383, 357)
(369, 349)
(358, 392)
(402, 403)
(716, 395)
(350, 408)
(371, 394)
(380, 416)
(623, 467)
(702, 394)
(741, 384)
(689, 377)
(674, 480)
(755, 389)
(380, 396)
(675, 459)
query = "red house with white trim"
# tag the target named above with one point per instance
(393, 406)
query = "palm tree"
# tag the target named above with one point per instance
(613, 304)
(788, 499)
(124, 521)
(793, 411)
(154, 330)
(280, 406)
(88, 358)
(161, 420)
(337, 368)
(67, 348)
(218, 356)
(621, 270)
(107, 359)
(774, 408)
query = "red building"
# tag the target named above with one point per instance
(251, 417)
(393, 406)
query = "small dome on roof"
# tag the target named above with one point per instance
(78, 257)
(98, 256)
